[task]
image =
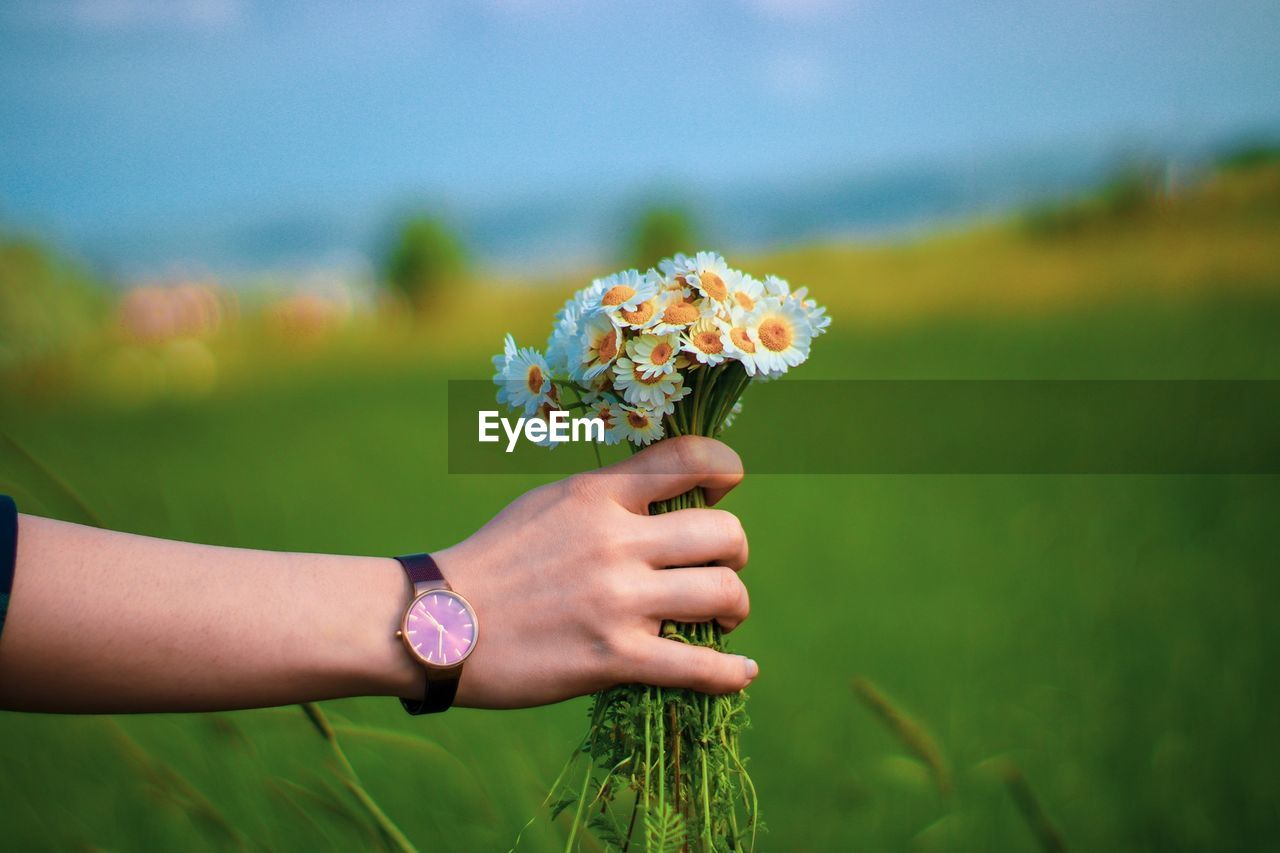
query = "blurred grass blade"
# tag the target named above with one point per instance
(1031, 809)
(907, 730)
(168, 784)
(22, 473)
(392, 833)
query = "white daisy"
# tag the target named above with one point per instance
(563, 344)
(628, 297)
(676, 312)
(654, 355)
(674, 267)
(747, 292)
(522, 377)
(639, 425)
(774, 286)
(668, 405)
(781, 334)
(705, 341)
(543, 413)
(737, 340)
(612, 415)
(708, 273)
(641, 390)
(817, 314)
(599, 343)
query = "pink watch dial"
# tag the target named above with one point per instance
(440, 628)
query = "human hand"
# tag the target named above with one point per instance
(570, 583)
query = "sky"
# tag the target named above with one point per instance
(127, 114)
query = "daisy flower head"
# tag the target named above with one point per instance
(737, 340)
(640, 389)
(563, 343)
(817, 314)
(543, 413)
(676, 312)
(747, 292)
(611, 414)
(668, 406)
(705, 342)
(708, 274)
(629, 298)
(600, 343)
(674, 267)
(522, 377)
(776, 287)
(654, 355)
(711, 277)
(781, 334)
(639, 425)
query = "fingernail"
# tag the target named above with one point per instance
(752, 668)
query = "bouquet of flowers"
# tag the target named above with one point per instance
(662, 353)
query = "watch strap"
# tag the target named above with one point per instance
(422, 571)
(442, 687)
(441, 684)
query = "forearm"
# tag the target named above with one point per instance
(110, 622)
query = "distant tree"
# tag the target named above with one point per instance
(1250, 156)
(660, 232)
(424, 257)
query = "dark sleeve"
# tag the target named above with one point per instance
(8, 551)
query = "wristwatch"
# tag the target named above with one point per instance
(439, 629)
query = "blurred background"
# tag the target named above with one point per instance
(244, 244)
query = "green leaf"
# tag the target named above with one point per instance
(663, 830)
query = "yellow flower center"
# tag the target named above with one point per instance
(661, 353)
(605, 414)
(637, 420)
(740, 339)
(713, 285)
(680, 313)
(608, 346)
(618, 294)
(709, 342)
(744, 300)
(534, 379)
(640, 316)
(775, 335)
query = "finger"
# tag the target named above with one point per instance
(673, 467)
(694, 537)
(667, 663)
(697, 595)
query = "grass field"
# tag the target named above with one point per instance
(1111, 637)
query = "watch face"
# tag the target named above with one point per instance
(440, 628)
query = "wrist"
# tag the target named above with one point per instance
(386, 667)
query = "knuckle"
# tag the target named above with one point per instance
(613, 596)
(582, 487)
(730, 592)
(690, 453)
(730, 528)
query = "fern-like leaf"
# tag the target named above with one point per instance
(663, 830)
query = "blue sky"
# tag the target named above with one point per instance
(127, 113)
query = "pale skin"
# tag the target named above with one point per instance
(567, 583)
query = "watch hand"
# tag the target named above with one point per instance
(433, 619)
(440, 643)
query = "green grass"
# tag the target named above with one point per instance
(1111, 637)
